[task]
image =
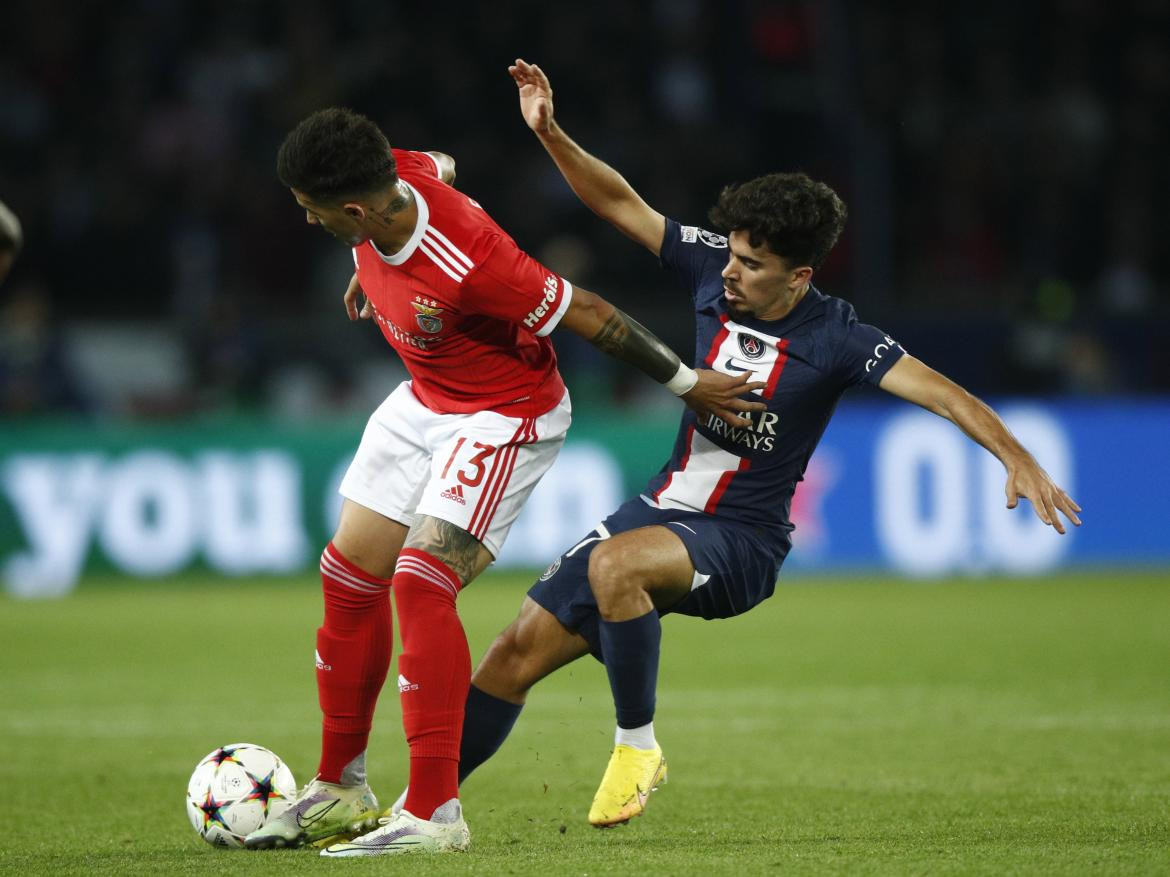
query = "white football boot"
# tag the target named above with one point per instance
(444, 832)
(322, 812)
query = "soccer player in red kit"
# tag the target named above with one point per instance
(444, 465)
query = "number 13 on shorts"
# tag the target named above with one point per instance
(483, 470)
(472, 473)
(474, 470)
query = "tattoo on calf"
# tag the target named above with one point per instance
(451, 544)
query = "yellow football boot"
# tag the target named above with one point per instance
(629, 779)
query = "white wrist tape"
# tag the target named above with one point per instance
(684, 379)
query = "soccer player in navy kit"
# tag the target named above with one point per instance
(709, 533)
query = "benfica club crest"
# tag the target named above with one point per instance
(752, 347)
(427, 315)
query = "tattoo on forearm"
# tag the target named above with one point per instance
(612, 335)
(628, 340)
(451, 544)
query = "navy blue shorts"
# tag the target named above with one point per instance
(736, 567)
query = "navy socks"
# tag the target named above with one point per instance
(487, 722)
(631, 649)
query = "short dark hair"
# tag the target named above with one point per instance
(799, 218)
(336, 154)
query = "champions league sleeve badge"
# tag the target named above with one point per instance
(427, 315)
(711, 239)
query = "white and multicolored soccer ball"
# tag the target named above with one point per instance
(235, 790)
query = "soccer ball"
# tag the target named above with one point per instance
(235, 790)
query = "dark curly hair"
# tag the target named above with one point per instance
(799, 218)
(336, 154)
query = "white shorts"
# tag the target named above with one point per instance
(474, 470)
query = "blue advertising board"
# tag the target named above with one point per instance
(894, 487)
(891, 488)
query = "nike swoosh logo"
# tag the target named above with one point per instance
(316, 817)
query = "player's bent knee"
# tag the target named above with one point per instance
(372, 556)
(609, 575)
(368, 540)
(377, 566)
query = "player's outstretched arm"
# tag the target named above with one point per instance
(916, 382)
(624, 338)
(602, 189)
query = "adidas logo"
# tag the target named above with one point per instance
(321, 665)
(455, 493)
(405, 684)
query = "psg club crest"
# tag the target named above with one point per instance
(427, 315)
(751, 346)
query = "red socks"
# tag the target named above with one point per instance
(434, 674)
(353, 655)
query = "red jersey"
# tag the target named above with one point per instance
(466, 309)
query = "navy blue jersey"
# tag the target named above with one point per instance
(808, 359)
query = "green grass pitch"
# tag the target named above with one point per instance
(854, 727)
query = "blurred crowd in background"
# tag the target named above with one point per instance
(1004, 165)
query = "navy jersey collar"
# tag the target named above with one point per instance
(808, 306)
